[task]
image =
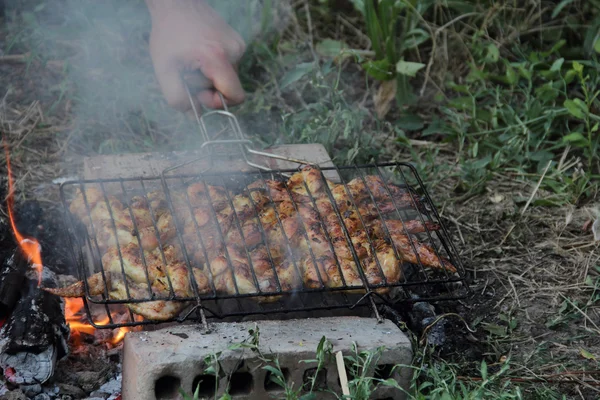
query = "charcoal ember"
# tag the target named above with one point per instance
(42, 396)
(436, 334)
(424, 320)
(35, 336)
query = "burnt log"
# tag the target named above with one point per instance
(12, 276)
(35, 335)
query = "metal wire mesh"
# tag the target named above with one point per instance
(240, 244)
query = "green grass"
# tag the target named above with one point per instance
(522, 101)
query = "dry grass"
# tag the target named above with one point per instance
(537, 269)
(36, 150)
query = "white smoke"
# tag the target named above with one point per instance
(113, 98)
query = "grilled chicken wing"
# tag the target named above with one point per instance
(274, 236)
(425, 254)
(377, 228)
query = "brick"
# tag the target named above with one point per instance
(162, 361)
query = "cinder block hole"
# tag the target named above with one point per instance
(320, 380)
(240, 383)
(271, 386)
(384, 371)
(208, 385)
(167, 387)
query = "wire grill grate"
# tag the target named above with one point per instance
(238, 244)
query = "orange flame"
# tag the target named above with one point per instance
(30, 247)
(120, 335)
(73, 317)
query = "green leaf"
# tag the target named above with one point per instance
(374, 30)
(436, 127)
(576, 108)
(459, 88)
(541, 155)
(560, 6)
(570, 76)
(415, 38)
(511, 76)
(410, 122)
(464, 103)
(556, 47)
(493, 53)
(408, 68)
(330, 48)
(483, 370)
(556, 65)
(296, 74)
(597, 45)
(391, 383)
(586, 354)
(380, 70)
(359, 5)
(401, 136)
(525, 73)
(495, 329)
(273, 370)
(308, 396)
(546, 202)
(574, 137)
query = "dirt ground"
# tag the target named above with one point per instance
(532, 269)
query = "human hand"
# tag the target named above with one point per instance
(188, 37)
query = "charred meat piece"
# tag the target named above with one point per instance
(273, 237)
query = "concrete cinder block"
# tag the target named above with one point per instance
(156, 364)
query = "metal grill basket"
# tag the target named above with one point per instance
(427, 265)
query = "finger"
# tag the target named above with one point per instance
(224, 77)
(210, 99)
(196, 81)
(171, 84)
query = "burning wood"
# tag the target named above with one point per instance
(12, 276)
(35, 335)
(75, 318)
